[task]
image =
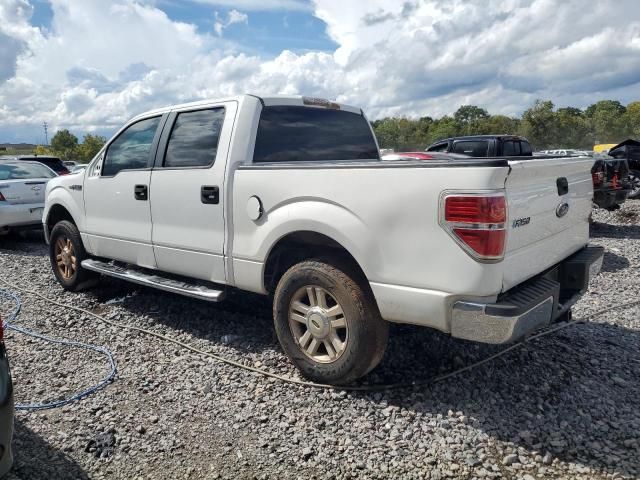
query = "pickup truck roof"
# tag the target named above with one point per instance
(269, 100)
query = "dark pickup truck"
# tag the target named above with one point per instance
(484, 146)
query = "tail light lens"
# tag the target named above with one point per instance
(615, 182)
(477, 223)
(2, 199)
(1, 329)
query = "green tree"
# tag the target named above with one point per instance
(445, 127)
(42, 150)
(608, 121)
(539, 124)
(633, 119)
(64, 144)
(469, 118)
(91, 144)
(498, 124)
(573, 128)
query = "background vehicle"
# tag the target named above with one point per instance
(288, 196)
(70, 164)
(22, 188)
(79, 168)
(421, 156)
(484, 146)
(629, 150)
(6, 408)
(54, 163)
(565, 152)
(611, 182)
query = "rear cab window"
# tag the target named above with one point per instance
(473, 148)
(304, 134)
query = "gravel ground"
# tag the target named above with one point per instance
(564, 406)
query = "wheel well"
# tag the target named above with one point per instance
(57, 213)
(299, 246)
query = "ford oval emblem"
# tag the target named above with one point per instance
(562, 210)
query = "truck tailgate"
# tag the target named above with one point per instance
(549, 202)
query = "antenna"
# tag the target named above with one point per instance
(46, 136)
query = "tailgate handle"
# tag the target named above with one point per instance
(563, 186)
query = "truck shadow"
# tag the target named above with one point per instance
(614, 262)
(35, 459)
(605, 230)
(572, 394)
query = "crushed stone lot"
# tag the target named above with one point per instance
(562, 406)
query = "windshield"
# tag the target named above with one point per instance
(24, 171)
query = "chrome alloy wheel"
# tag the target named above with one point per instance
(318, 324)
(66, 257)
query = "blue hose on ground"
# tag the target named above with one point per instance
(8, 325)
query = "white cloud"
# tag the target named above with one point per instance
(234, 16)
(259, 5)
(393, 58)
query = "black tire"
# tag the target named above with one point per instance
(78, 278)
(367, 331)
(634, 179)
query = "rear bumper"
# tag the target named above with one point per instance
(609, 198)
(528, 306)
(26, 215)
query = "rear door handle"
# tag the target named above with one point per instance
(141, 192)
(210, 194)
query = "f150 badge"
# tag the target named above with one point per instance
(521, 222)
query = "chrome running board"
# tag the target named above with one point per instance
(154, 280)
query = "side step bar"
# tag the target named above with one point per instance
(155, 281)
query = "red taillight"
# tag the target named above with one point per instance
(614, 182)
(2, 199)
(1, 329)
(477, 222)
(475, 209)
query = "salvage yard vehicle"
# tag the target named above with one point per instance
(22, 187)
(484, 146)
(611, 181)
(54, 163)
(288, 196)
(629, 150)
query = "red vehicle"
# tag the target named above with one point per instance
(422, 156)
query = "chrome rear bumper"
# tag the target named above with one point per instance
(529, 306)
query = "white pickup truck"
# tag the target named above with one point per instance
(287, 196)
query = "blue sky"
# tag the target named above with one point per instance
(89, 65)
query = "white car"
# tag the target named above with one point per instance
(22, 188)
(288, 196)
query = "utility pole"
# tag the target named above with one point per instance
(46, 136)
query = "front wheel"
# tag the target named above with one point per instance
(327, 324)
(634, 179)
(66, 253)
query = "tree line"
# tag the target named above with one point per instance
(606, 121)
(65, 145)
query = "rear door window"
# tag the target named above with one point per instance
(194, 138)
(302, 134)
(473, 148)
(132, 148)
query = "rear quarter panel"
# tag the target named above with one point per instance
(386, 217)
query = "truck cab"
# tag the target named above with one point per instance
(484, 146)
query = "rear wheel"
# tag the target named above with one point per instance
(66, 253)
(327, 324)
(634, 179)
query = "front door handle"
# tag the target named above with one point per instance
(141, 192)
(210, 194)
